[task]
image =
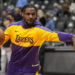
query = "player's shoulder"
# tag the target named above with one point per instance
(15, 23)
(43, 28)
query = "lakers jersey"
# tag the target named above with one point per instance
(26, 41)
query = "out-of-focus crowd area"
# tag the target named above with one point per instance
(57, 15)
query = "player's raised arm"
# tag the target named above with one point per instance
(49, 35)
(53, 36)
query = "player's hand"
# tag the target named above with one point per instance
(2, 36)
(1, 31)
(73, 38)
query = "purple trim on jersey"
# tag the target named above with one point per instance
(24, 25)
(62, 35)
(37, 23)
(65, 36)
(28, 26)
(15, 23)
(22, 59)
(44, 28)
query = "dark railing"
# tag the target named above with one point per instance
(57, 60)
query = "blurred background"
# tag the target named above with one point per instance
(57, 15)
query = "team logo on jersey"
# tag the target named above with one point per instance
(24, 39)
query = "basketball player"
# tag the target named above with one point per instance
(27, 36)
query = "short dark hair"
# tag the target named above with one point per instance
(28, 6)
